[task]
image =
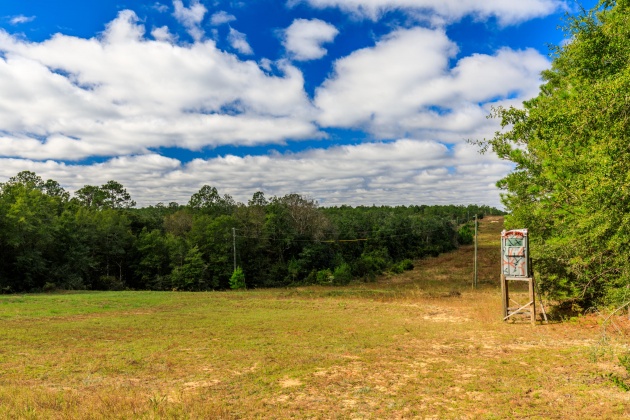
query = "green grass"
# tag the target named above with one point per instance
(406, 346)
(74, 303)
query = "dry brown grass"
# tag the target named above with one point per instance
(419, 345)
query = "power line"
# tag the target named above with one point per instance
(334, 240)
(337, 240)
(346, 240)
(421, 235)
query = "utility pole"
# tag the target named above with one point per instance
(475, 275)
(234, 245)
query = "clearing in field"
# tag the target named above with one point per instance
(417, 345)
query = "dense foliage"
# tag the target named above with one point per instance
(571, 146)
(97, 240)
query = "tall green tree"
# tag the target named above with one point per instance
(153, 267)
(28, 231)
(212, 238)
(111, 195)
(190, 275)
(571, 148)
(208, 200)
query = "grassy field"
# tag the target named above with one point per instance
(418, 345)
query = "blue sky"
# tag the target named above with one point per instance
(344, 101)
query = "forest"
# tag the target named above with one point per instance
(95, 239)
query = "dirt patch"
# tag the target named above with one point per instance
(201, 384)
(444, 317)
(290, 383)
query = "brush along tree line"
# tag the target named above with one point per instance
(571, 147)
(96, 239)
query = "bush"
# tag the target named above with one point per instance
(434, 251)
(406, 264)
(616, 293)
(371, 263)
(466, 235)
(342, 274)
(396, 269)
(237, 281)
(324, 277)
(402, 266)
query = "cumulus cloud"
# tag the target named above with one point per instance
(304, 38)
(506, 12)
(163, 34)
(238, 41)
(191, 17)
(404, 86)
(162, 8)
(406, 171)
(126, 94)
(16, 20)
(221, 17)
(71, 98)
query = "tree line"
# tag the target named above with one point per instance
(96, 239)
(571, 147)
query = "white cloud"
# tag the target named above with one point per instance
(191, 17)
(128, 94)
(304, 38)
(221, 18)
(403, 172)
(376, 80)
(124, 28)
(71, 98)
(404, 86)
(162, 8)
(238, 41)
(163, 34)
(507, 12)
(17, 20)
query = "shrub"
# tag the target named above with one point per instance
(371, 263)
(396, 269)
(406, 264)
(401, 266)
(324, 277)
(465, 235)
(237, 281)
(342, 274)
